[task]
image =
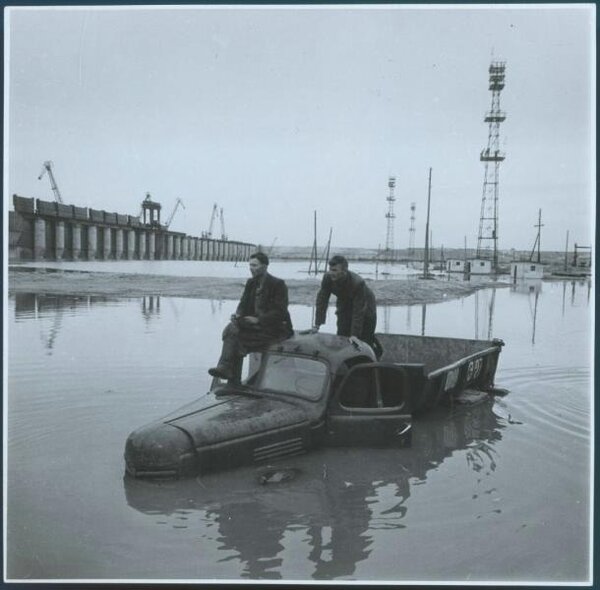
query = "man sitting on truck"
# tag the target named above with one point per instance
(261, 318)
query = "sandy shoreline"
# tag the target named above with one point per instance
(300, 291)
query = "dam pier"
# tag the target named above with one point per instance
(52, 231)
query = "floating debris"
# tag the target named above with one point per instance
(277, 475)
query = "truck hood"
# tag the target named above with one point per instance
(213, 419)
(171, 446)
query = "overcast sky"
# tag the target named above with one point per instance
(275, 112)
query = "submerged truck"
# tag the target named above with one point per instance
(313, 390)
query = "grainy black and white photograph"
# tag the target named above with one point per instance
(299, 294)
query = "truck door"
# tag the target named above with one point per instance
(370, 407)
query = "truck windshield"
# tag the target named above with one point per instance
(300, 376)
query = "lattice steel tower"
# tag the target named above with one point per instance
(389, 240)
(411, 231)
(492, 156)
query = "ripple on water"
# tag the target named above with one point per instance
(552, 409)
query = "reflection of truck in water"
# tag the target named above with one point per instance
(330, 498)
(313, 390)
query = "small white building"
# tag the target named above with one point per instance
(526, 270)
(477, 266)
(455, 265)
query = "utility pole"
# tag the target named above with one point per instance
(426, 258)
(537, 238)
(314, 256)
(539, 235)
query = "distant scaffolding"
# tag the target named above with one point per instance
(389, 239)
(491, 156)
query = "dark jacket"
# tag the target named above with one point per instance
(269, 304)
(356, 307)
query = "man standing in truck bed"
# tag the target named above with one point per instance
(356, 308)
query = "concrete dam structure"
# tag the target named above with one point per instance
(48, 230)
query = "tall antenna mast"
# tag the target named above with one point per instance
(389, 240)
(411, 231)
(492, 156)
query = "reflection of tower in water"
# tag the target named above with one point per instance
(54, 329)
(588, 284)
(386, 319)
(489, 308)
(216, 306)
(39, 307)
(150, 306)
(532, 288)
(50, 310)
(491, 315)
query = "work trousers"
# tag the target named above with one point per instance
(240, 338)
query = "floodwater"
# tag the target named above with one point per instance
(499, 491)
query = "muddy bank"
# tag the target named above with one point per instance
(388, 292)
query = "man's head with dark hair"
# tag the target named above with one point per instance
(258, 264)
(337, 259)
(338, 267)
(261, 257)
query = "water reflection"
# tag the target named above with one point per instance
(66, 412)
(216, 306)
(474, 279)
(339, 497)
(35, 305)
(532, 288)
(150, 306)
(527, 286)
(387, 312)
(485, 303)
(43, 306)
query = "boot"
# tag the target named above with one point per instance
(226, 367)
(220, 371)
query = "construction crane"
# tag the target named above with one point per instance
(272, 246)
(213, 217)
(178, 202)
(223, 234)
(48, 168)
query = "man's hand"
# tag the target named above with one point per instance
(354, 341)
